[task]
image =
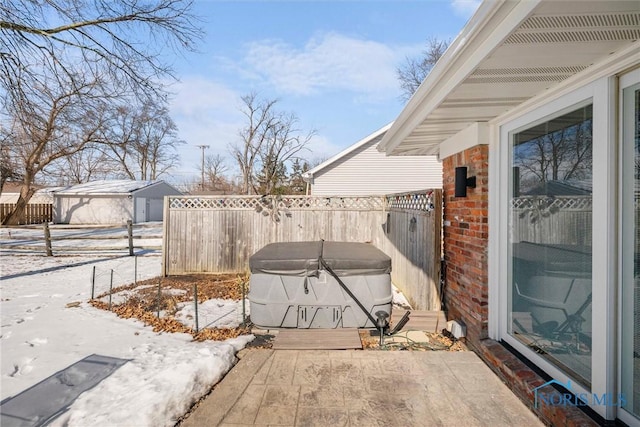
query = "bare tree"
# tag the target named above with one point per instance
(58, 124)
(414, 70)
(85, 165)
(284, 143)
(8, 166)
(214, 170)
(141, 142)
(123, 38)
(260, 119)
(118, 137)
(563, 154)
(269, 140)
(156, 146)
(62, 58)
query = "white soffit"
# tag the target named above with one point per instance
(556, 41)
(475, 134)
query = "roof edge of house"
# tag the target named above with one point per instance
(308, 175)
(437, 85)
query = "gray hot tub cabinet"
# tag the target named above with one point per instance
(290, 288)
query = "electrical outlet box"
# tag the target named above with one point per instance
(457, 329)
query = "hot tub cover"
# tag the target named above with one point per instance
(349, 258)
(291, 258)
(303, 258)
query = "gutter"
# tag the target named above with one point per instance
(452, 68)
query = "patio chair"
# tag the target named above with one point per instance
(560, 305)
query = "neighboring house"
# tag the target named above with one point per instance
(362, 170)
(534, 92)
(112, 202)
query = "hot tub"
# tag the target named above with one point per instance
(290, 286)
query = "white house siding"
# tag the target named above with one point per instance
(93, 209)
(366, 171)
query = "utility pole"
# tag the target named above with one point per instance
(202, 147)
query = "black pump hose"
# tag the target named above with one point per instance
(348, 291)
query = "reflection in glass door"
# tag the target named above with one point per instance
(630, 352)
(551, 239)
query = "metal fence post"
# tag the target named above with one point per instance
(195, 301)
(130, 235)
(110, 289)
(159, 297)
(244, 310)
(93, 282)
(135, 270)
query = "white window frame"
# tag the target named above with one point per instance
(602, 97)
(626, 80)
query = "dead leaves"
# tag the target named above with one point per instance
(144, 301)
(435, 342)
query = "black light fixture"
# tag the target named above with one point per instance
(462, 182)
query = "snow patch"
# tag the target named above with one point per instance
(166, 373)
(213, 313)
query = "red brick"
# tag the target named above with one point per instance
(466, 241)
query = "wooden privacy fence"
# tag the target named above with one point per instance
(35, 213)
(551, 220)
(218, 234)
(412, 238)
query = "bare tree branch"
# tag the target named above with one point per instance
(142, 140)
(413, 72)
(63, 61)
(260, 119)
(59, 125)
(214, 169)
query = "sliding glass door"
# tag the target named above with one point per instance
(630, 241)
(550, 239)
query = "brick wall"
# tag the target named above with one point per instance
(522, 381)
(466, 295)
(466, 236)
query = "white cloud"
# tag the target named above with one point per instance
(321, 149)
(197, 94)
(465, 8)
(329, 61)
(206, 113)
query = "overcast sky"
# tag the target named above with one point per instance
(332, 63)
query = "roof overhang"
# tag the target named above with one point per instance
(508, 53)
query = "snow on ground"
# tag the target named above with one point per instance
(41, 335)
(219, 312)
(399, 299)
(79, 239)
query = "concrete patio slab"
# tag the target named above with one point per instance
(360, 388)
